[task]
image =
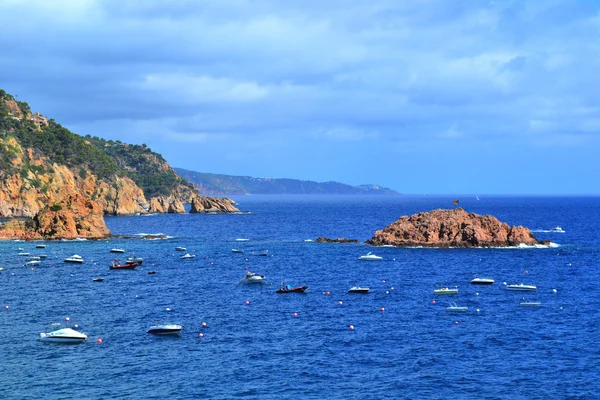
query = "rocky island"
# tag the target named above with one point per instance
(55, 184)
(452, 228)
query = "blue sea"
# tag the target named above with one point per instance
(257, 344)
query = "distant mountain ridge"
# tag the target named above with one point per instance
(219, 184)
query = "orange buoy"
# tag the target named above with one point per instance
(526, 272)
(294, 314)
(351, 327)
(6, 307)
(67, 319)
(247, 302)
(340, 302)
(204, 324)
(328, 293)
(201, 335)
(99, 340)
(382, 309)
(455, 322)
(383, 281)
(432, 301)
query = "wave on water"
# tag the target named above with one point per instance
(74, 240)
(149, 215)
(548, 231)
(308, 240)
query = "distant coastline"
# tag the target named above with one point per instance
(227, 185)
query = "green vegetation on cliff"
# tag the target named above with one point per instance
(215, 184)
(105, 159)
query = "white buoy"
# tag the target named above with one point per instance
(554, 290)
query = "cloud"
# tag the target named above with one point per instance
(268, 73)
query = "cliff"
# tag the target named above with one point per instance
(218, 184)
(452, 228)
(42, 164)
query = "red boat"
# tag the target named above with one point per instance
(116, 264)
(288, 289)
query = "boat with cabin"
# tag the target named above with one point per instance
(75, 258)
(251, 277)
(370, 257)
(63, 335)
(187, 256)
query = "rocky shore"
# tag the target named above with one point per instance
(452, 228)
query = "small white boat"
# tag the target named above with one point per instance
(253, 278)
(23, 254)
(482, 281)
(557, 229)
(117, 250)
(237, 251)
(187, 256)
(40, 246)
(525, 303)
(446, 290)
(180, 249)
(454, 308)
(519, 287)
(358, 289)
(75, 258)
(63, 335)
(32, 263)
(138, 260)
(370, 257)
(165, 329)
(33, 258)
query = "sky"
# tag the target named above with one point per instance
(421, 96)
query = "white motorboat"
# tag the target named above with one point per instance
(187, 256)
(25, 254)
(40, 246)
(32, 263)
(482, 281)
(138, 260)
(75, 258)
(370, 257)
(253, 278)
(358, 289)
(557, 229)
(180, 249)
(63, 335)
(33, 258)
(237, 251)
(445, 290)
(519, 287)
(455, 308)
(165, 329)
(117, 250)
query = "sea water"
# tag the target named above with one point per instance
(395, 342)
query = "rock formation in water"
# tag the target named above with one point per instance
(74, 217)
(201, 204)
(338, 240)
(452, 228)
